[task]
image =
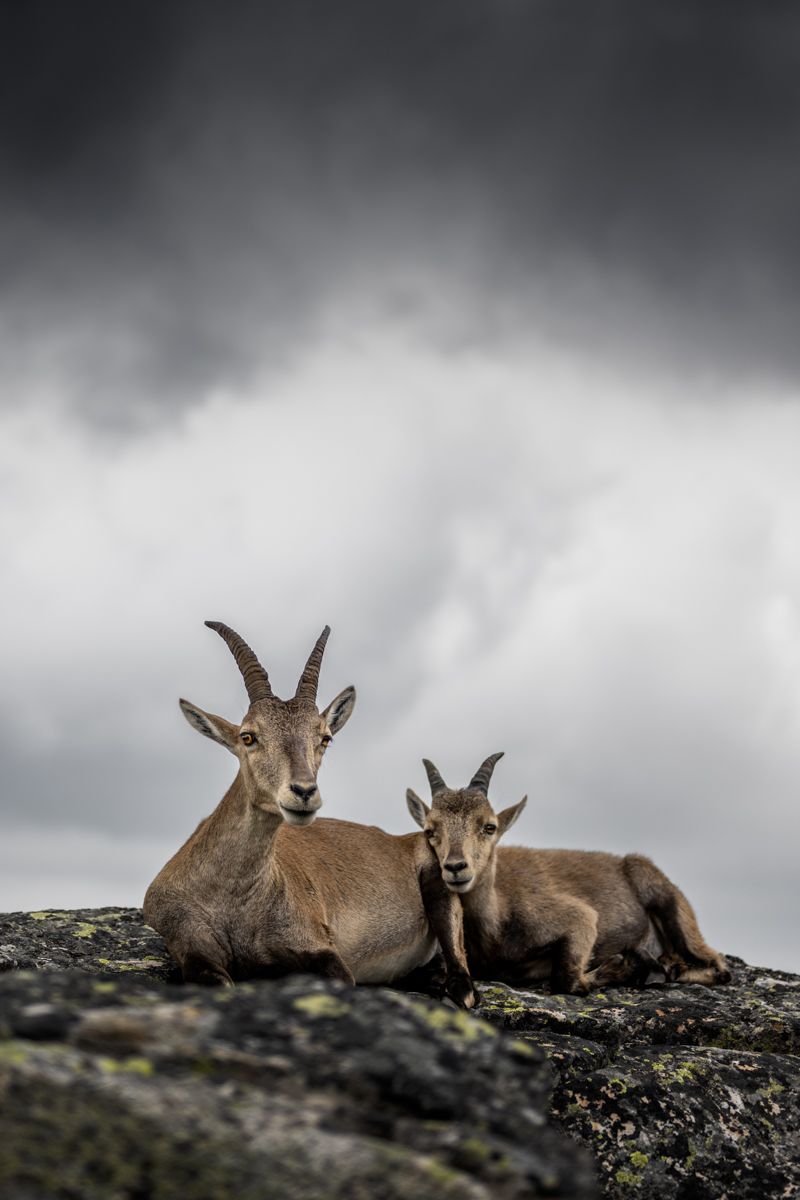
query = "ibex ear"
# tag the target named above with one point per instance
(337, 714)
(418, 808)
(508, 816)
(216, 728)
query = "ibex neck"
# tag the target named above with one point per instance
(481, 897)
(239, 838)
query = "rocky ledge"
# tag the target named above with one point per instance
(117, 1081)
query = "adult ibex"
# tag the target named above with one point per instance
(251, 893)
(584, 918)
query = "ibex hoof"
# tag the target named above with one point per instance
(637, 967)
(214, 979)
(461, 992)
(672, 966)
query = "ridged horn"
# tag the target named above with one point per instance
(309, 680)
(481, 779)
(255, 677)
(434, 778)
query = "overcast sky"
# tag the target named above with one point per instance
(470, 329)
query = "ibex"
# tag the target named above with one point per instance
(584, 918)
(253, 893)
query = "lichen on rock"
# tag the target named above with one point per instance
(125, 1085)
(679, 1090)
(304, 1088)
(97, 941)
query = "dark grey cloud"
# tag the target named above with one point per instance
(186, 189)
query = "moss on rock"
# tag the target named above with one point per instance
(304, 1088)
(292, 1088)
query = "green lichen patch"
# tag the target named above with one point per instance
(320, 1005)
(84, 930)
(133, 1065)
(456, 1024)
(672, 1069)
(625, 1178)
(13, 1053)
(476, 1149)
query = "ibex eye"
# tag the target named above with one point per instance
(490, 829)
(326, 739)
(249, 739)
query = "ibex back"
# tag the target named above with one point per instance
(584, 919)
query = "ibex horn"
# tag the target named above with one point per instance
(255, 677)
(482, 777)
(434, 778)
(307, 687)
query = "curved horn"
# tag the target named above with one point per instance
(255, 677)
(434, 778)
(307, 687)
(482, 777)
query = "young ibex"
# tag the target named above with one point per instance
(258, 890)
(583, 918)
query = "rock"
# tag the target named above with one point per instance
(96, 940)
(115, 1083)
(679, 1091)
(302, 1088)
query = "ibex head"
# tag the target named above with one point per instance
(280, 743)
(461, 825)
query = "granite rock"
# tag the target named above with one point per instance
(118, 1081)
(678, 1090)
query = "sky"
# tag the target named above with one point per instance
(469, 329)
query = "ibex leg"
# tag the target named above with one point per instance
(446, 919)
(202, 960)
(687, 956)
(572, 949)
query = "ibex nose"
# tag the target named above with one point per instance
(303, 793)
(455, 867)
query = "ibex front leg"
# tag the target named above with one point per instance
(202, 959)
(446, 919)
(572, 947)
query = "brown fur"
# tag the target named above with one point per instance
(582, 919)
(279, 897)
(259, 890)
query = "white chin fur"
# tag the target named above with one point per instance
(460, 888)
(296, 818)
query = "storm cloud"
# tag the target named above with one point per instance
(188, 192)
